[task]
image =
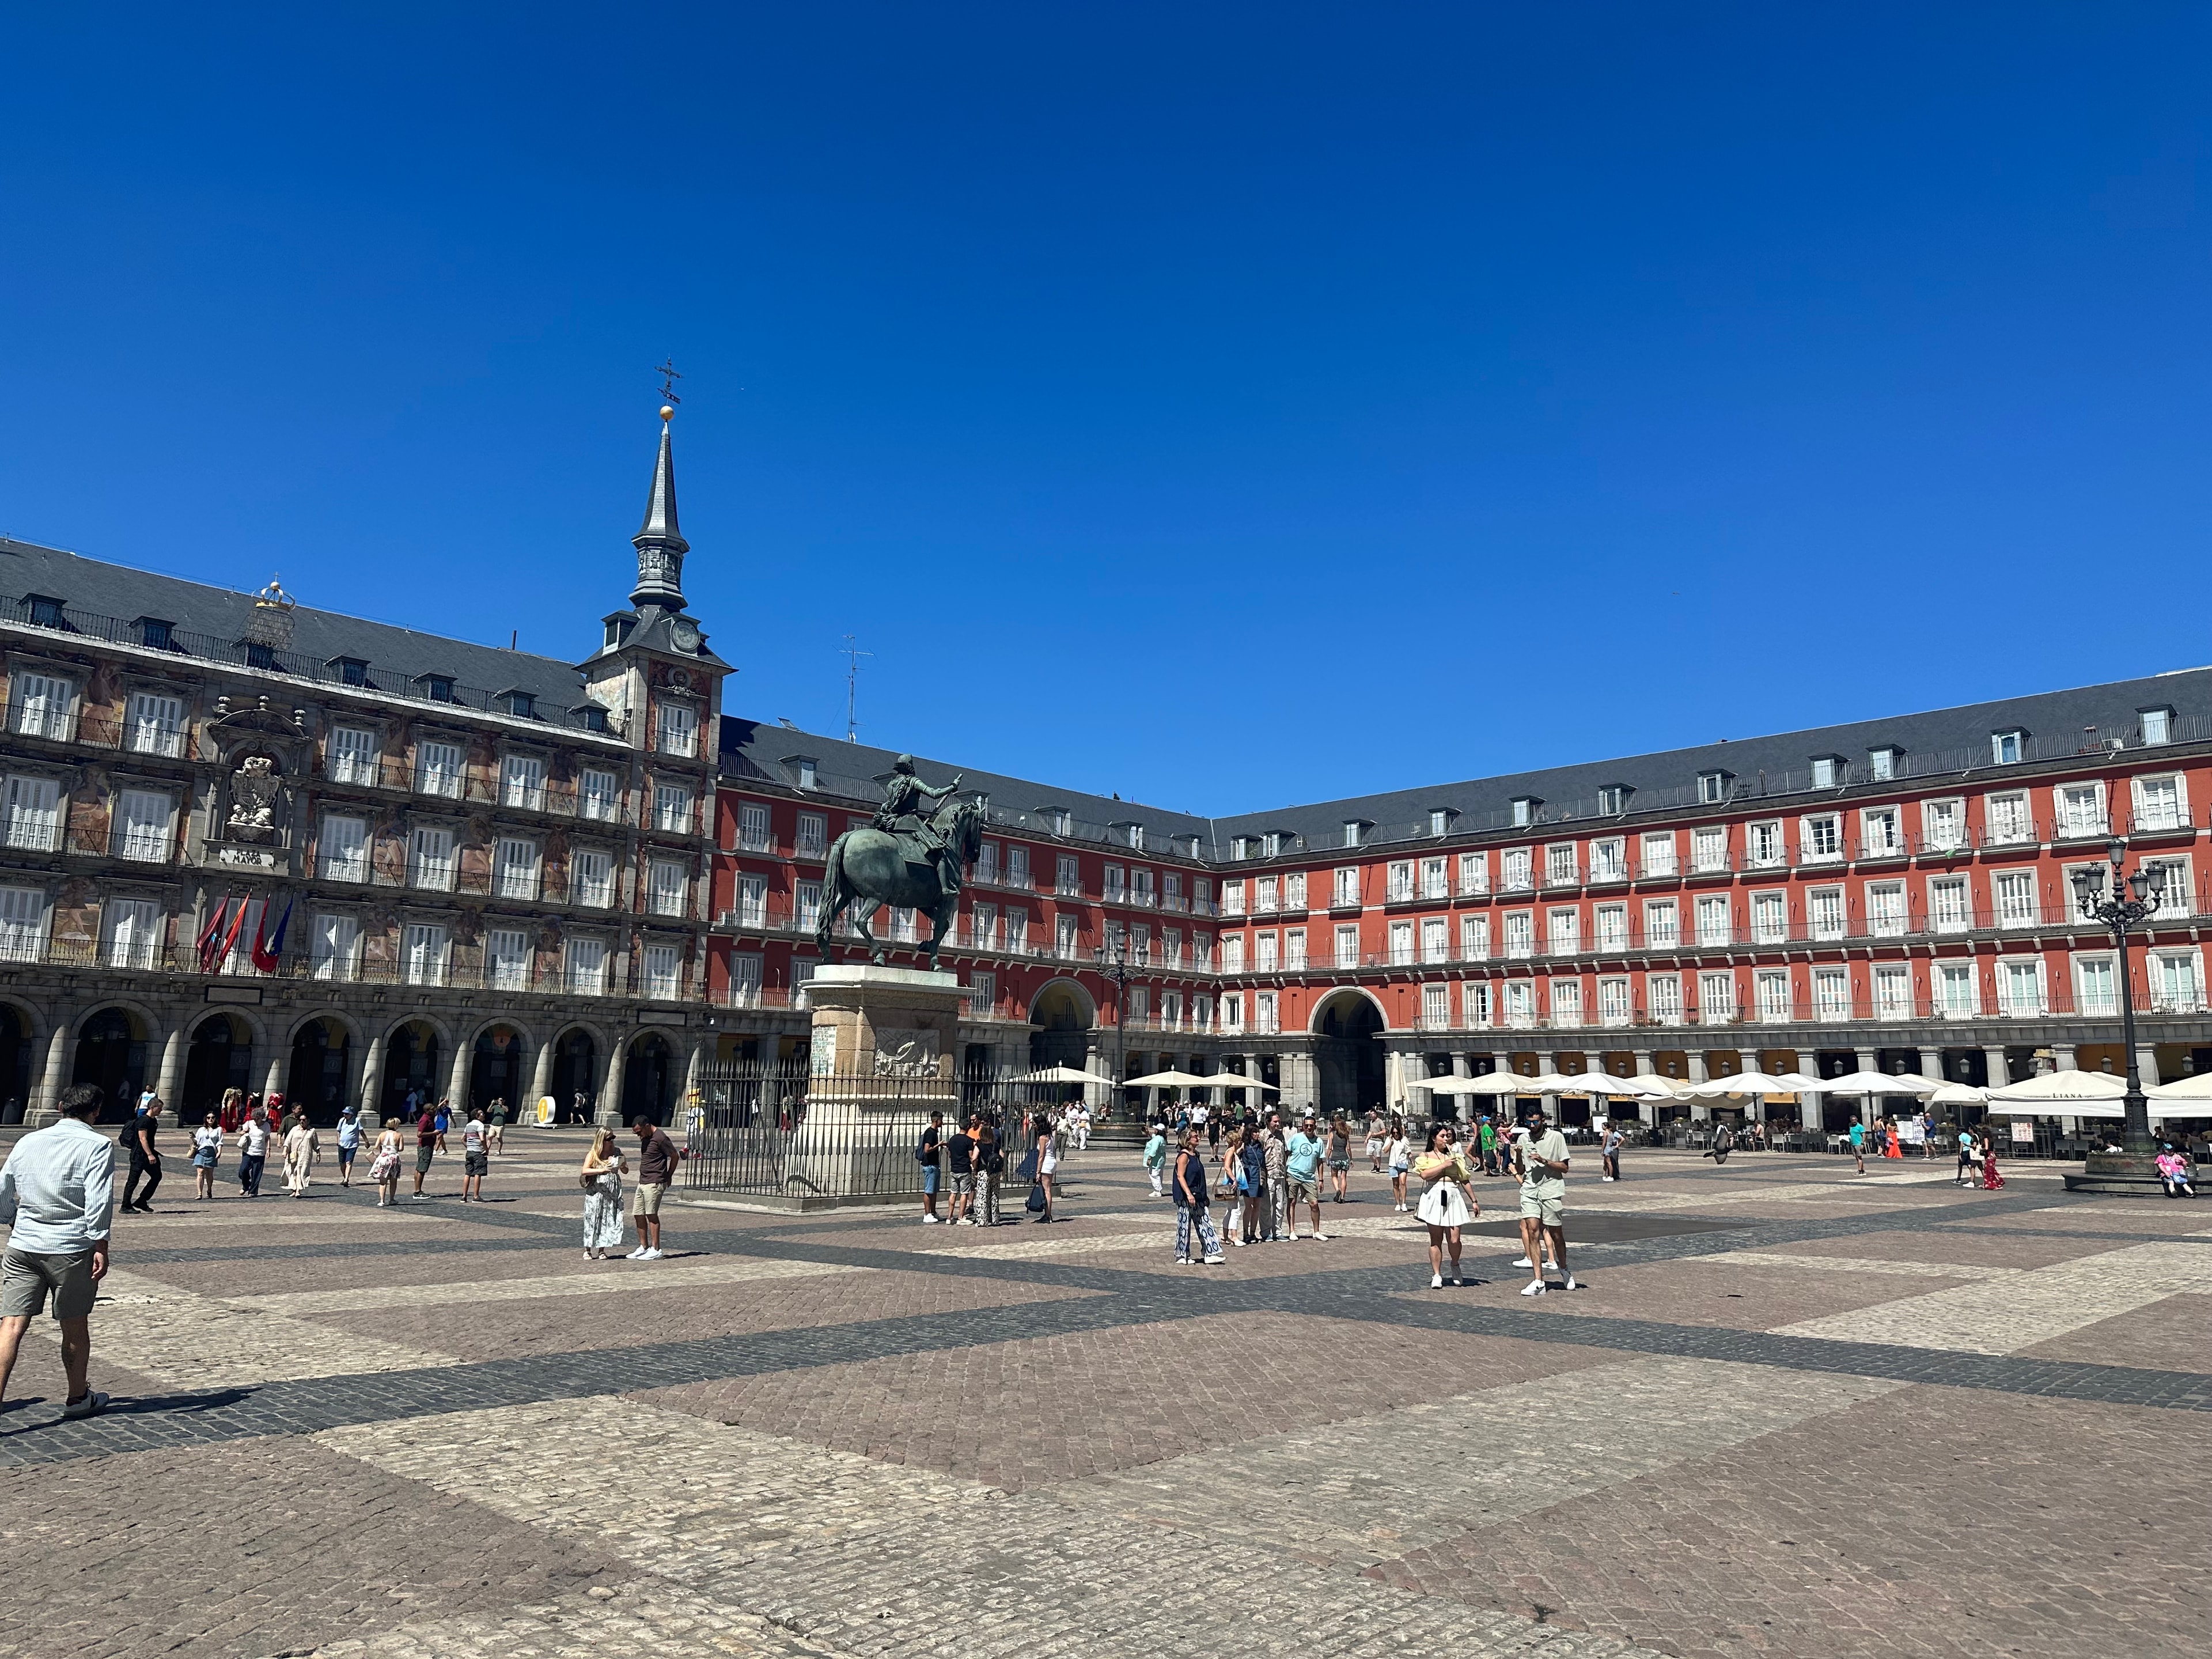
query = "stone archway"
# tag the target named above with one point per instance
(1350, 1075)
(316, 1079)
(1064, 1017)
(220, 1056)
(495, 1068)
(650, 1072)
(111, 1055)
(411, 1053)
(575, 1084)
(15, 1047)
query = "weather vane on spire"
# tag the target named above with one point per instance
(669, 377)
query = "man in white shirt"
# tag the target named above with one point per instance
(57, 1195)
(1542, 1158)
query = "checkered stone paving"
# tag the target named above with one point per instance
(1792, 1410)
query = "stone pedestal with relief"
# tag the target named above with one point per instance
(883, 1051)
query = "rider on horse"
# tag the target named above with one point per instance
(904, 812)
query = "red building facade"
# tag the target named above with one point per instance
(1897, 895)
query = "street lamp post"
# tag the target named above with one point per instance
(1115, 959)
(2133, 901)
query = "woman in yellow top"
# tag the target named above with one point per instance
(1449, 1202)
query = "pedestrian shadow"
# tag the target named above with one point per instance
(14, 1423)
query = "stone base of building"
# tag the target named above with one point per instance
(2118, 1174)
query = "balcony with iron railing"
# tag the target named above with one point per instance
(460, 967)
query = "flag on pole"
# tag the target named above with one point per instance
(211, 934)
(230, 942)
(265, 960)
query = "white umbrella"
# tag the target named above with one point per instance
(1958, 1094)
(1232, 1081)
(1741, 1083)
(1645, 1087)
(1064, 1074)
(2061, 1094)
(1172, 1079)
(1496, 1083)
(1561, 1083)
(1880, 1083)
(2197, 1088)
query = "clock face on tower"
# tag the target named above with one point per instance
(683, 634)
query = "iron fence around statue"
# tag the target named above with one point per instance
(780, 1132)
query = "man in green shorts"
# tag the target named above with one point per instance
(1542, 1156)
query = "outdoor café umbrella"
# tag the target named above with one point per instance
(2061, 1094)
(1873, 1083)
(2185, 1096)
(1958, 1094)
(1645, 1085)
(1741, 1083)
(1064, 1074)
(1491, 1083)
(1174, 1080)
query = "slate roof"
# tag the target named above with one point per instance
(1945, 743)
(96, 593)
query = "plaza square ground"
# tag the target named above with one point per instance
(1792, 1410)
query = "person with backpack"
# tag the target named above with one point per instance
(925, 1153)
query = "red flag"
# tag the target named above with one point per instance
(237, 926)
(211, 934)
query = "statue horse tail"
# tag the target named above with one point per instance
(837, 891)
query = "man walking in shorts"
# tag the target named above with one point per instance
(475, 1155)
(656, 1167)
(1543, 1160)
(1301, 1160)
(58, 1194)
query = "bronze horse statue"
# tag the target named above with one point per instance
(870, 868)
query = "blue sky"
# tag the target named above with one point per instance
(1224, 406)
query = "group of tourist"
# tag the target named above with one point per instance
(601, 1176)
(965, 1166)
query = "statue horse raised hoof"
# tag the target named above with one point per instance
(871, 868)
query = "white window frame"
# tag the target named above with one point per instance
(517, 868)
(157, 723)
(439, 768)
(676, 730)
(598, 795)
(338, 857)
(507, 958)
(432, 866)
(140, 834)
(660, 973)
(522, 782)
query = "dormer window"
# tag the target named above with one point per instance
(438, 688)
(1352, 827)
(258, 655)
(808, 776)
(1137, 837)
(1440, 818)
(352, 671)
(2157, 725)
(1827, 771)
(45, 612)
(1712, 787)
(1882, 763)
(153, 634)
(619, 627)
(1525, 808)
(1613, 798)
(1240, 847)
(2006, 747)
(522, 704)
(592, 717)
(1060, 820)
(1272, 844)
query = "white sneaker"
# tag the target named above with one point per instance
(929, 1221)
(1213, 1261)
(1535, 1287)
(1570, 1285)
(1523, 1261)
(650, 1256)
(637, 1255)
(1321, 1239)
(1435, 1282)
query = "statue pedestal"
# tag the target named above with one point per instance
(2122, 1175)
(882, 1059)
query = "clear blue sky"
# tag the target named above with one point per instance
(1224, 405)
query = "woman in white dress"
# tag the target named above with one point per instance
(602, 1176)
(1449, 1202)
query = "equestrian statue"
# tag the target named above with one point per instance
(908, 855)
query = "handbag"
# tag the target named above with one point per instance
(1035, 1199)
(1028, 1170)
(587, 1178)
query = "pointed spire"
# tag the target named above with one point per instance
(660, 546)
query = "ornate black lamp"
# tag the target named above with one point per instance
(2133, 901)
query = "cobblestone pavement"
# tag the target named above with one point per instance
(1791, 1410)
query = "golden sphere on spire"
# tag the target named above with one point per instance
(667, 411)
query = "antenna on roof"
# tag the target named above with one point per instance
(852, 654)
